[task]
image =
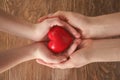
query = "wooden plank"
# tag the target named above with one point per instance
(31, 10)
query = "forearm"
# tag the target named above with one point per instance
(16, 27)
(105, 50)
(105, 25)
(11, 58)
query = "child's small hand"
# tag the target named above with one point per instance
(41, 52)
(42, 28)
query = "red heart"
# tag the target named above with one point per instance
(60, 39)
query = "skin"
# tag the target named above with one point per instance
(91, 27)
(11, 58)
(36, 33)
(86, 53)
(91, 51)
(31, 31)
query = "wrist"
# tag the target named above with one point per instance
(105, 50)
(103, 26)
(28, 52)
(33, 50)
(36, 50)
(39, 33)
(97, 28)
(34, 33)
(88, 31)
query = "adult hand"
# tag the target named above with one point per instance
(80, 22)
(79, 58)
(92, 27)
(105, 50)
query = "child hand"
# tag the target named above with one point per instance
(42, 52)
(42, 28)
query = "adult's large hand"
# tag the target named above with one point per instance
(80, 22)
(79, 58)
(91, 27)
(106, 50)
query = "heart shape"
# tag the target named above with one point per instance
(60, 39)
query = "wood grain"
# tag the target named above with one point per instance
(31, 10)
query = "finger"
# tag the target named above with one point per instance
(57, 21)
(61, 12)
(71, 29)
(66, 26)
(46, 17)
(64, 65)
(56, 59)
(54, 22)
(44, 63)
(74, 46)
(72, 62)
(63, 15)
(42, 18)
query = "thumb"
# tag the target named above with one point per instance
(73, 47)
(55, 59)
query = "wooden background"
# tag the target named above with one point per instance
(31, 10)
